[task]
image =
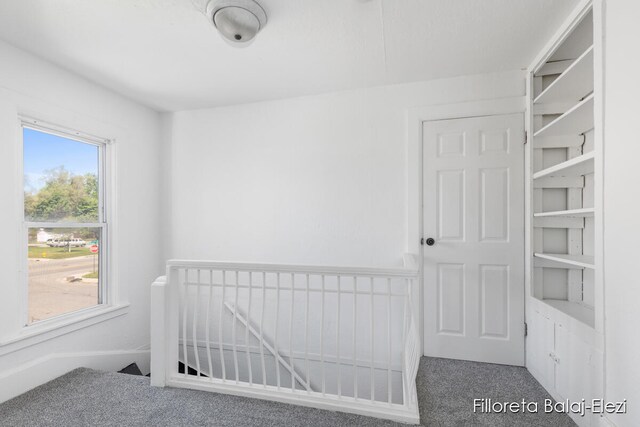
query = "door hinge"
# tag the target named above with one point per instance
(526, 329)
(526, 137)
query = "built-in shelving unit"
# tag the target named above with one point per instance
(564, 157)
(564, 207)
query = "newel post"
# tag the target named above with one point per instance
(412, 262)
(159, 331)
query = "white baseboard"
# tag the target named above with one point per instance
(23, 378)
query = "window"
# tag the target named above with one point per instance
(64, 222)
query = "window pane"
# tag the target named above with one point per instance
(64, 267)
(60, 178)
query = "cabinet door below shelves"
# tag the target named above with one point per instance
(576, 369)
(540, 345)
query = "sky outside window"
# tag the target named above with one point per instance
(45, 152)
(60, 178)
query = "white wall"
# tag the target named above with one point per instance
(32, 86)
(317, 180)
(622, 208)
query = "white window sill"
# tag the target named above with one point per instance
(46, 330)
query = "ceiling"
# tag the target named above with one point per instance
(166, 55)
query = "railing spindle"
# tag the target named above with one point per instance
(306, 334)
(195, 324)
(322, 337)
(355, 362)
(246, 330)
(208, 325)
(185, 293)
(338, 360)
(406, 319)
(293, 380)
(405, 313)
(264, 299)
(373, 380)
(389, 388)
(275, 342)
(234, 341)
(220, 325)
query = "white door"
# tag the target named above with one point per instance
(473, 209)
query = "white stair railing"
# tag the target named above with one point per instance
(337, 338)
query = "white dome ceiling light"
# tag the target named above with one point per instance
(237, 20)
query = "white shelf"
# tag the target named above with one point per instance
(584, 261)
(577, 120)
(573, 84)
(573, 309)
(571, 213)
(581, 165)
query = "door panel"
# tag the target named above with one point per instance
(473, 206)
(451, 298)
(494, 300)
(451, 216)
(494, 205)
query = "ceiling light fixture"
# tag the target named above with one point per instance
(237, 20)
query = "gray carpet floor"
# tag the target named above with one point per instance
(446, 388)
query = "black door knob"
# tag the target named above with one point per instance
(430, 241)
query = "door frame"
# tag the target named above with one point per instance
(415, 118)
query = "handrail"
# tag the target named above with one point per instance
(295, 268)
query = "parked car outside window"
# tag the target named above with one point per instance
(59, 243)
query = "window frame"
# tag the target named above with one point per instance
(105, 294)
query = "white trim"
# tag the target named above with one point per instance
(105, 196)
(23, 238)
(38, 224)
(61, 131)
(415, 118)
(599, 70)
(113, 294)
(294, 268)
(383, 410)
(62, 325)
